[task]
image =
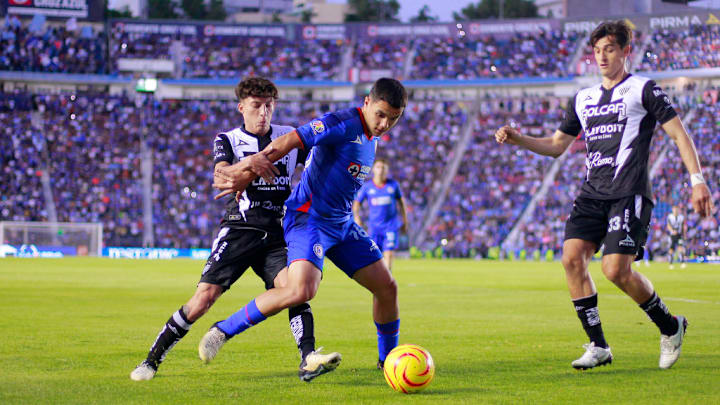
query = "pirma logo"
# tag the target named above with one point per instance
(627, 242)
(318, 250)
(317, 127)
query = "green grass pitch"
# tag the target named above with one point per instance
(500, 332)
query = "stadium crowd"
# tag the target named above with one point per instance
(696, 47)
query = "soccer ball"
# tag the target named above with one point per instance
(409, 368)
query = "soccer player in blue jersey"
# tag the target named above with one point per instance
(387, 213)
(318, 219)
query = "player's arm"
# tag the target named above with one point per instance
(403, 214)
(549, 146)
(356, 212)
(236, 178)
(701, 199)
(668, 227)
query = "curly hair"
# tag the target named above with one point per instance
(255, 87)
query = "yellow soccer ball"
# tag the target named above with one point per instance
(409, 368)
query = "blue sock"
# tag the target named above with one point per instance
(388, 334)
(246, 317)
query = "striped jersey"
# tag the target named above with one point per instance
(618, 124)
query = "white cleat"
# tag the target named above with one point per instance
(672, 266)
(594, 356)
(670, 346)
(211, 343)
(144, 371)
(682, 266)
(316, 364)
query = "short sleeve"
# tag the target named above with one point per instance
(327, 130)
(657, 103)
(571, 123)
(222, 149)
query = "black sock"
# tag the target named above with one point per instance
(175, 328)
(587, 311)
(303, 328)
(658, 313)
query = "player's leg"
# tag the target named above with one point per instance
(313, 362)
(622, 247)
(585, 228)
(223, 267)
(681, 253)
(388, 248)
(359, 257)
(671, 253)
(303, 281)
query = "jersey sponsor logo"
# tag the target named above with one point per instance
(605, 129)
(596, 159)
(618, 108)
(317, 127)
(278, 180)
(318, 250)
(382, 200)
(627, 242)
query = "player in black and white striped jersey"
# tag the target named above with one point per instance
(251, 234)
(677, 228)
(614, 207)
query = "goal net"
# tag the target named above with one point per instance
(74, 238)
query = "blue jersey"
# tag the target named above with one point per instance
(342, 154)
(383, 213)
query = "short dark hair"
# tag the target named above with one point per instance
(255, 87)
(382, 160)
(619, 30)
(389, 90)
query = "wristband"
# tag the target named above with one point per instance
(697, 178)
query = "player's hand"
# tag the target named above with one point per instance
(507, 134)
(259, 164)
(702, 200)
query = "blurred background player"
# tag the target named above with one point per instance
(677, 228)
(386, 214)
(250, 232)
(318, 218)
(615, 204)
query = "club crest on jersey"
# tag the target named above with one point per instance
(358, 171)
(317, 127)
(318, 250)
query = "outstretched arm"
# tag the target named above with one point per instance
(549, 146)
(701, 199)
(236, 178)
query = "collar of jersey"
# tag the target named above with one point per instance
(269, 132)
(364, 125)
(619, 83)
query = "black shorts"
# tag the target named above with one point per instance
(234, 250)
(676, 240)
(620, 225)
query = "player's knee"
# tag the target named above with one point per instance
(389, 290)
(302, 294)
(573, 263)
(617, 275)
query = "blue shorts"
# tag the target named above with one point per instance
(385, 239)
(345, 244)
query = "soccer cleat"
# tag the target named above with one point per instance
(211, 343)
(144, 371)
(670, 346)
(672, 266)
(682, 266)
(594, 356)
(380, 364)
(316, 363)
